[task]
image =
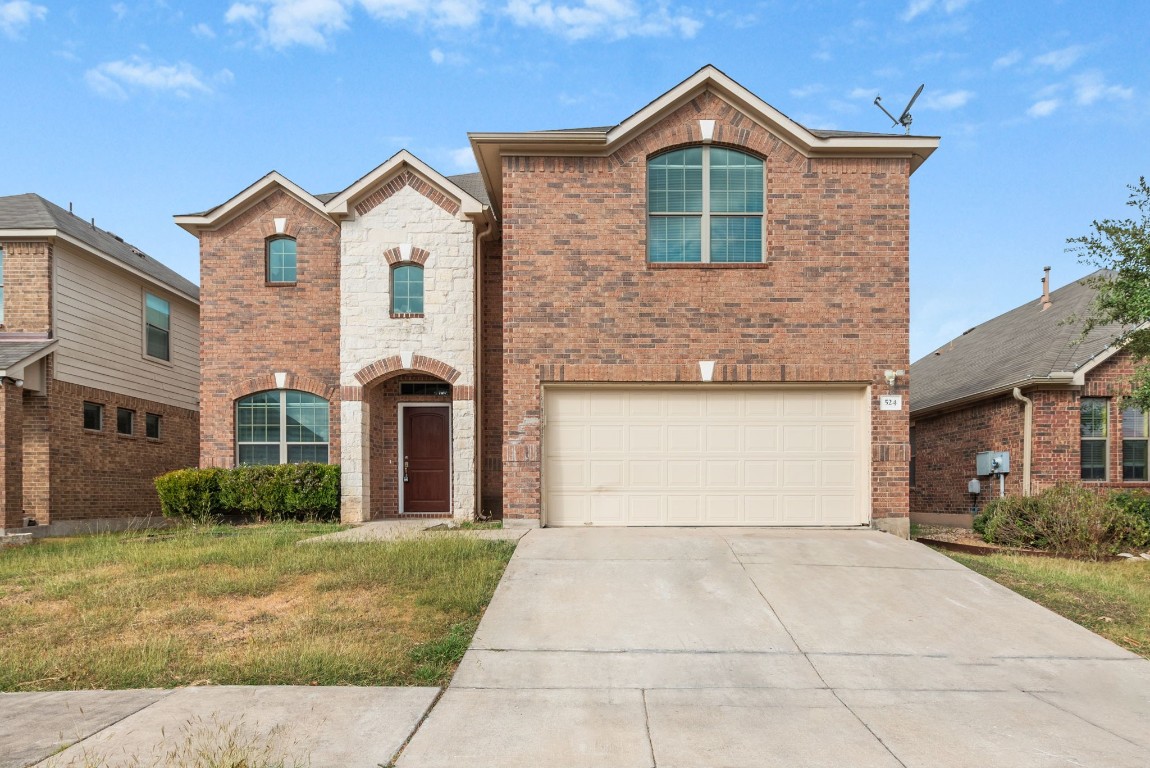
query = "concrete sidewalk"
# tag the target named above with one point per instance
(674, 648)
(320, 727)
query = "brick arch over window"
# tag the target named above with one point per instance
(418, 256)
(408, 179)
(391, 366)
(263, 383)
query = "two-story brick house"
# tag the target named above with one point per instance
(684, 319)
(99, 359)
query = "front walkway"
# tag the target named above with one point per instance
(669, 648)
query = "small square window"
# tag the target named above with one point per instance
(152, 425)
(93, 416)
(124, 419)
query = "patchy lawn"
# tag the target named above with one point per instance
(240, 606)
(1109, 598)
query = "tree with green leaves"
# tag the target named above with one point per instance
(1121, 247)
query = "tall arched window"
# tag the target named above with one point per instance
(282, 426)
(705, 204)
(281, 260)
(407, 289)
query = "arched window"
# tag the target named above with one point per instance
(281, 426)
(407, 289)
(705, 204)
(281, 260)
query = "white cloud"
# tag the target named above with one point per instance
(916, 8)
(463, 159)
(947, 101)
(1090, 87)
(1044, 108)
(446, 13)
(863, 93)
(807, 90)
(615, 19)
(204, 31)
(117, 79)
(1007, 60)
(1061, 59)
(437, 56)
(283, 23)
(18, 15)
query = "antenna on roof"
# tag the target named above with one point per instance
(905, 118)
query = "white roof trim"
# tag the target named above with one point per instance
(20, 365)
(340, 205)
(215, 217)
(55, 234)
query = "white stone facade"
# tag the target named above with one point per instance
(445, 333)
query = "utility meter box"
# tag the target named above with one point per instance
(974, 486)
(992, 463)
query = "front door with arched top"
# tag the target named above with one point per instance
(425, 459)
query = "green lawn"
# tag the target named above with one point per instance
(240, 605)
(1110, 598)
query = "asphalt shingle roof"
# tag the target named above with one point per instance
(472, 184)
(12, 352)
(30, 211)
(1025, 343)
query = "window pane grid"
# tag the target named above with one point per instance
(736, 239)
(157, 326)
(282, 425)
(407, 290)
(282, 260)
(675, 238)
(1094, 413)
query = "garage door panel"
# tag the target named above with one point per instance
(705, 456)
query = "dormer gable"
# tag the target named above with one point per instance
(400, 170)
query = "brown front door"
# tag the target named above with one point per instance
(426, 460)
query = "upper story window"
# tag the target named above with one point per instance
(282, 426)
(407, 289)
(1134, 439)
(281, 260)
(157, 327)
(1094, 418)
(705, 204)
(1, 285)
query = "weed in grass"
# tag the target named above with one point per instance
(438, 658)
(211, 743)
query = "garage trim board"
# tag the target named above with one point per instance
(706, 455)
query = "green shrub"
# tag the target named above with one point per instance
(272, 492)
(1134, 502)
(1067, 519)
(190, 494)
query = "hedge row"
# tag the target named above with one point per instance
(1069, 519)
(274, 492)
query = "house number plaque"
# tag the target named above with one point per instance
(890, 403)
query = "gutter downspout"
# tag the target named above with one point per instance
(487, 232)
(1027, 433)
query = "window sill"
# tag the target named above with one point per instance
(125, 437)
(159, 360)
(270, 284)
(93, 431)
(708, 265)
(405, 315)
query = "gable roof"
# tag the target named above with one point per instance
(16, 351)
(467, 187)
(1026, 345)
(31, 215)
(490, 147)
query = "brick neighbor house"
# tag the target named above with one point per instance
(687, 318)
(1029, 384)
(99, 358)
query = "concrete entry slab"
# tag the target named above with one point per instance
(621, 605)
(532, 728)
(34, 726)
(316, 726)
(752, 728)
(834, 548)
(1010, 729)
(630, 544)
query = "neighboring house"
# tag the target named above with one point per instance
(99, 354)
(684, 319)
(1028, 383)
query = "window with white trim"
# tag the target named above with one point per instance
(281, 426)
(1134, 440)
(157, 327)
(1094, 418)
(705, 204)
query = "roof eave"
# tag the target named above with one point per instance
(1056, 378)
(339, 207)
(195, 223)
(23, 363)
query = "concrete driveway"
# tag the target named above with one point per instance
(694, 647)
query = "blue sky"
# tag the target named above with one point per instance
(138, 110)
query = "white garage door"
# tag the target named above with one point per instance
(695, 456)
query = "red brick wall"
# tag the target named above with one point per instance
(581, 303)
(38, 470)
(945, 444)
(944, 453)
(250, 330)
(27, 292)
(105, 475)
(11, 455)
(491, 396)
